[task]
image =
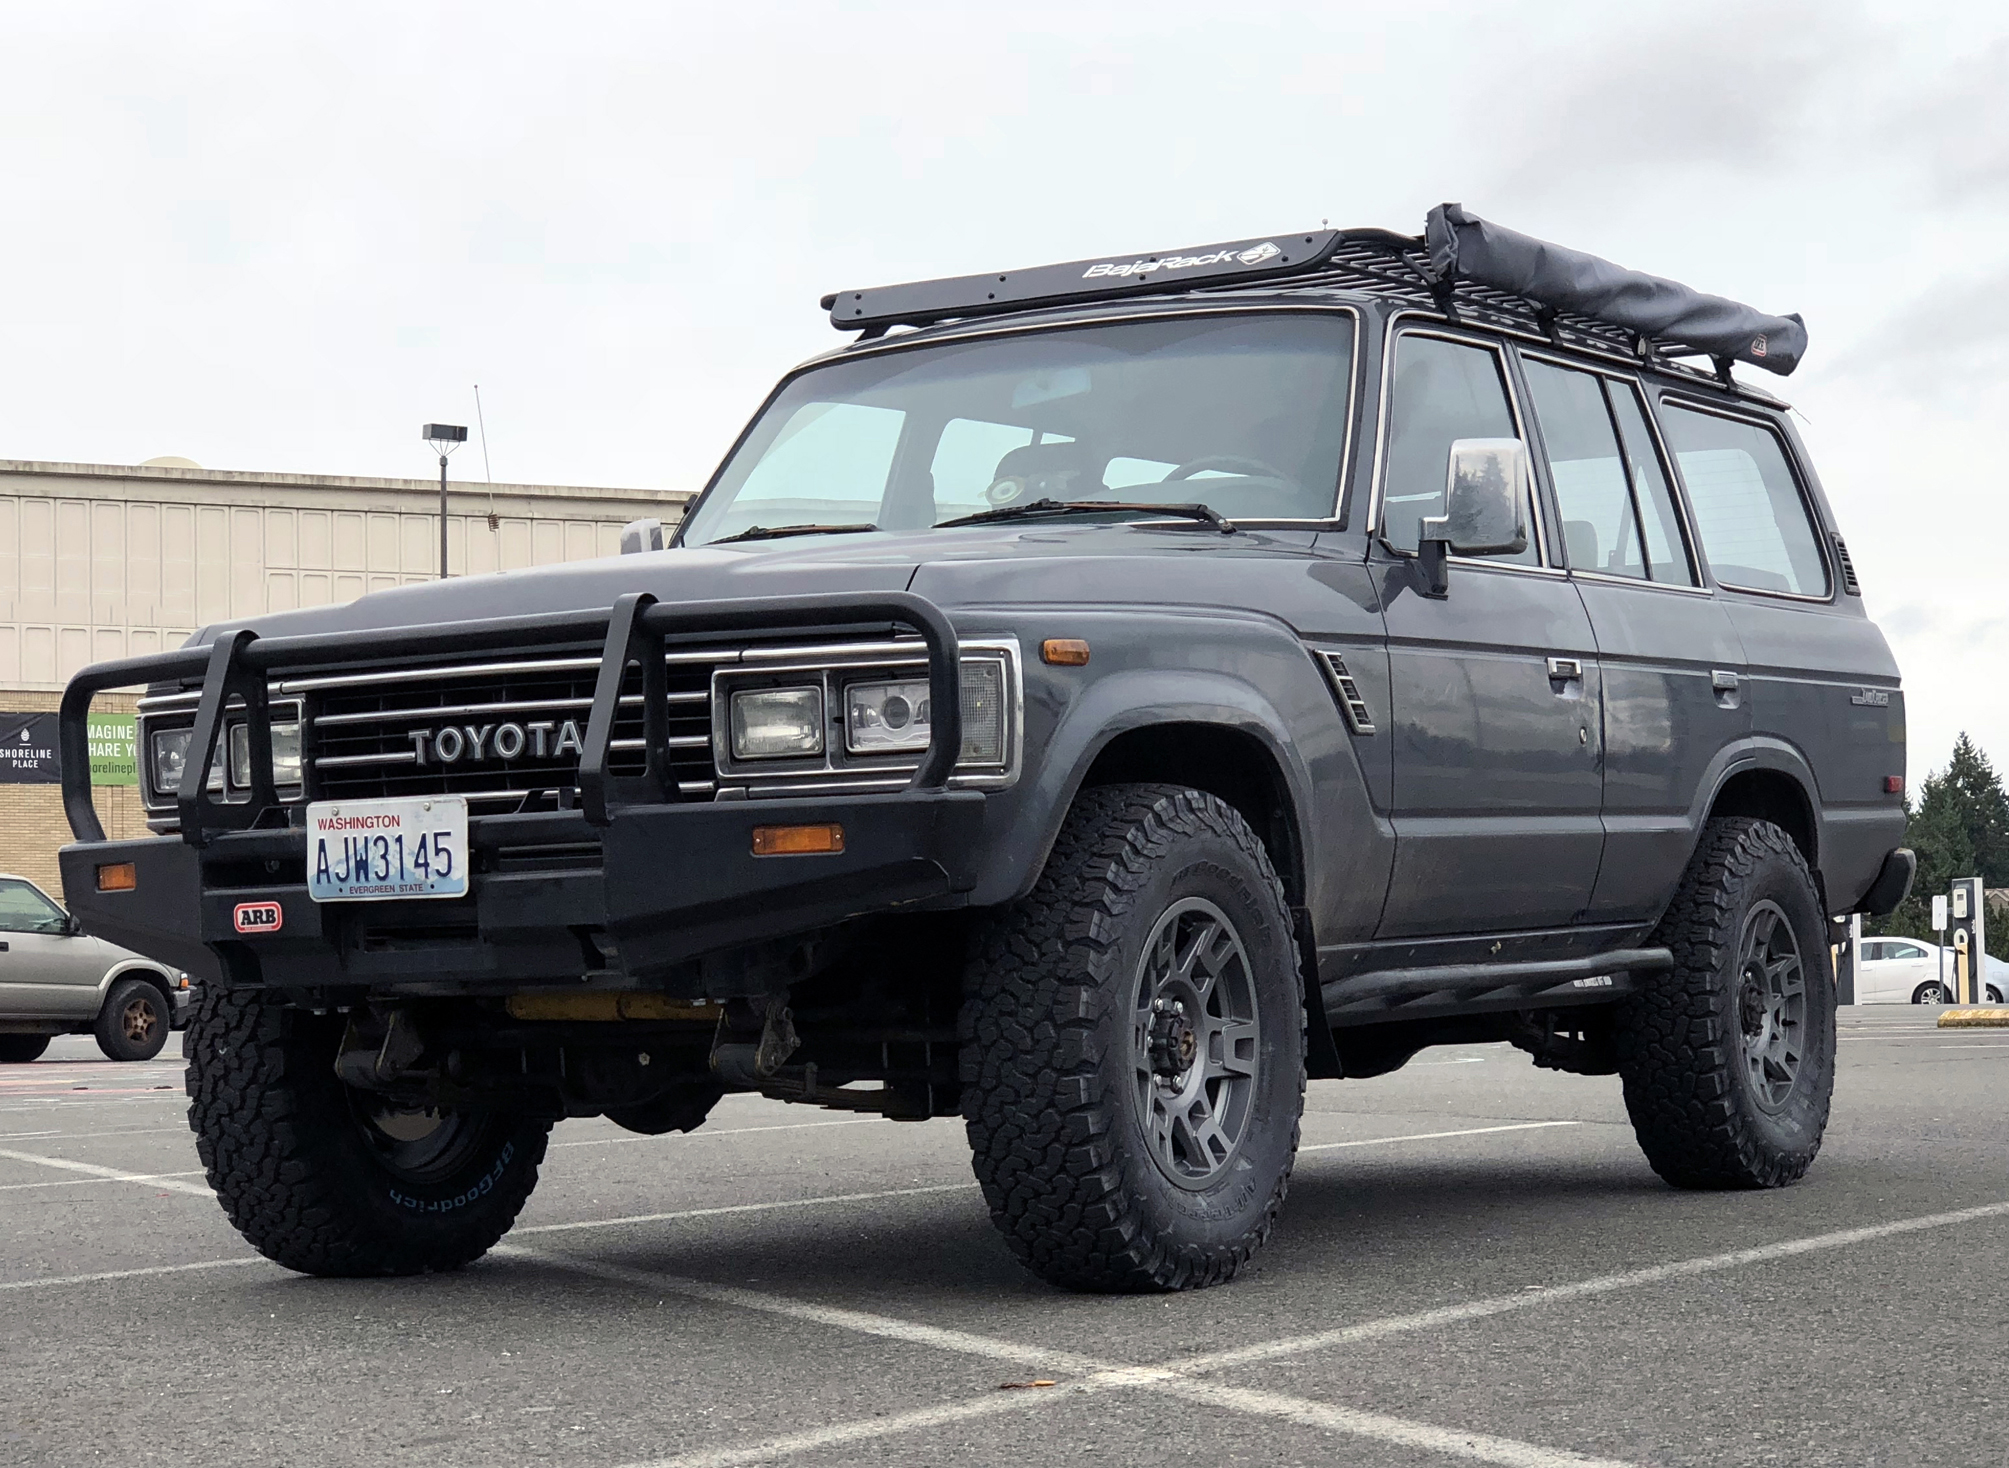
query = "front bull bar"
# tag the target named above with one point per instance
(236, 666)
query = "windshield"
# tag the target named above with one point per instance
(1245, 414)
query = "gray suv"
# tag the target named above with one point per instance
(1091, 702)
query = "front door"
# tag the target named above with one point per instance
(46, 971)
(1494, 689)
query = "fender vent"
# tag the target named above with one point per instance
(1358, 717)
(1849, 583)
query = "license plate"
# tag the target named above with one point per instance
(368, 850)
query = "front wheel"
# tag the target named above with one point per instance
(134, 1023)
(327, 1179)
(1933, 992)
(1729, 1059)
(1133, 1048)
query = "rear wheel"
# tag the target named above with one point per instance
(328, 1179)
(1729, 1060)
(134, 1023)
(20, 1049)
(1133, 1057)
(1932, 992)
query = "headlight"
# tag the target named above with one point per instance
(285, 755)
(170, 754)
(777, 723)
(882, 718)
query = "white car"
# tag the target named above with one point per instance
(1907, 971)
(57, 980)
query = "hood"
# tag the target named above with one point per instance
(991, 565)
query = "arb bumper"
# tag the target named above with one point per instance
(634, 883)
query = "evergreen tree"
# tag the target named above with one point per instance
(1959, 828)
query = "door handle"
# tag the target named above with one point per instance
(1565, 670)
(1727, 686)
(3, 946)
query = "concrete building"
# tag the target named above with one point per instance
(101, 561)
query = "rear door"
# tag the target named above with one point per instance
(1494, 689)
(1821, 679)
(1671, 660)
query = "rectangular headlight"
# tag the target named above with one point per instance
(170, 754)
(884, 718)
(285, 755)
(777, 723)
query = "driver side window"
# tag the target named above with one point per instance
(25, 910)
(1441, 391)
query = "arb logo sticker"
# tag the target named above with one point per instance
(258, 917)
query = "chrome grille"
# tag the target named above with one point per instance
(381, 734)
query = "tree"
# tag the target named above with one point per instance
(1959, 828)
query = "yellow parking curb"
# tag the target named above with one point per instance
(1975, 1019)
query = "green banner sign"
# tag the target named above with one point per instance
(114, 749)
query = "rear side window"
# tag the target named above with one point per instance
(1618, 514)
(1748, 511)
(1443, 391)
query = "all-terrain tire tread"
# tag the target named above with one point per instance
(260, 1153)
(1676, 1049)
(1033, 1100)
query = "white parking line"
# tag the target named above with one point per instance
(705, 1135)
(78, 1279)
(1099, 1374)
(85, 1182)
(1470, 1131)
(554, 1228)
(130, 1131)
(109, 1174)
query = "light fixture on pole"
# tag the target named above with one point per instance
(444, 437)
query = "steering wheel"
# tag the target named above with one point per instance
(1227, 464)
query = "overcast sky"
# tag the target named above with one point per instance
(280, 237)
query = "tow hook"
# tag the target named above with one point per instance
(741, 1064)
(370, 1065)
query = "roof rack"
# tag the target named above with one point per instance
(1463, 267)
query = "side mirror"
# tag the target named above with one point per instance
(1487, 489)
(639, 536)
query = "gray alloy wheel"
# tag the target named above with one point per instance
(1195, 1038)
(1933, 992)
(1771, 1005)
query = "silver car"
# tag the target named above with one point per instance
(57, 980)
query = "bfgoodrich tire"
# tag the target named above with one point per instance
(1133, 1048)
(326, 1179)
(134, 1023)
(1729, 1060)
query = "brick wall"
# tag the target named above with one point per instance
(31, 816)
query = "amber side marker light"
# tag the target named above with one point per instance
(118, 876)
(1064, 652)
(797, 840)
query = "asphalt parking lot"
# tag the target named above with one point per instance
(1475, 1265)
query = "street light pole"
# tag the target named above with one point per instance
(445, 437)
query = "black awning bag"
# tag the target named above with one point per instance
(1463, 246)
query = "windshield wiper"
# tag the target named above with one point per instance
(1203, 513)
(775, 532)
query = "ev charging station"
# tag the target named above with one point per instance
(1967, 909)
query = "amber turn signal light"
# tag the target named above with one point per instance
(1064, 652)
(118, 876)
(797, 840)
